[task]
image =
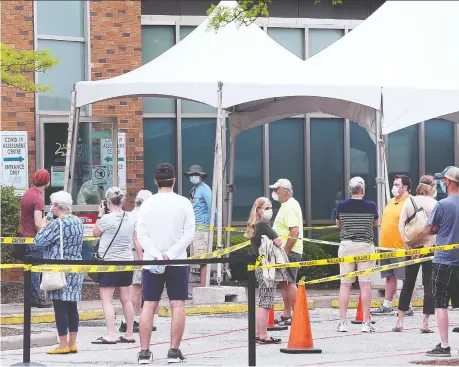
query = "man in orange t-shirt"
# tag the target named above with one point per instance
(391, 239)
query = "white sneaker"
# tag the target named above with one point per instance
(368, 328)
(342, 327)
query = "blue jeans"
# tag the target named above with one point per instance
(37, 253)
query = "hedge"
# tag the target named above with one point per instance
(10, 209)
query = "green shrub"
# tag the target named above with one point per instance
(313, 251)
(10, 209)
(331, 249)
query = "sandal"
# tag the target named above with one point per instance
(271, 340)
(102, 340)
(397, 329)
(122, 339)
(284, 320)
(426, 330)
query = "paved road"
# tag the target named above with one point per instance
(222, 340)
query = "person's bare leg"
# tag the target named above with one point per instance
(128, 310)
(262, 323)
(178, 323)
(63, 341)
(292, 290)
(203, 275)
(344, 293)
(400, 318)
(365, 293)
(136, 298)
(106, 297)
(73, 335)
(390, 288)
(425, 321)
(146, 323)
(287, 307)
(442, 320)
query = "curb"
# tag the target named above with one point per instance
(48, 317)
(375, 303)
(42, 339)
(164, 311)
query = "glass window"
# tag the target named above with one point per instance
(290, 38)
(363, 159)
(189, 106)
(155, 41)
(198, 144)
(248, 172)
(320, 39)
(439, 143)
(160, 146)
(286, 155)
(60, 18)
(63, 76)
(404, 154)
(327, 166)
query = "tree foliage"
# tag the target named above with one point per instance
(247, 12)
(16, 64)
(10, 209)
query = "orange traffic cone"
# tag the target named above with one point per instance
(359, 316)
(271, 325)
(300, 340)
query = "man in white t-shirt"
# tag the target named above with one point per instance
(165, 229)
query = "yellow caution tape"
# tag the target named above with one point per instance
(257, 263)
(366, 257)
(12, 266)
(243, 229)
(221, 252)
(371, 271)
(30, 240)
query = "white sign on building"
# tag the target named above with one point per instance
(14, 156)
(107, 159)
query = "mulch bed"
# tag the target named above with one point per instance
(439, 362)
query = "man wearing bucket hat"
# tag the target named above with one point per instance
(201, 198)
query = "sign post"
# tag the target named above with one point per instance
(14, 157)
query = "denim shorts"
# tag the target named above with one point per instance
(174, 277)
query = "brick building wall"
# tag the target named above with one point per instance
(18, 108)
(116, 48)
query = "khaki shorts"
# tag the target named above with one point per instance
(352, 248)
(199, 245)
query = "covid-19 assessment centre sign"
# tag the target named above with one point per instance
(14, 160)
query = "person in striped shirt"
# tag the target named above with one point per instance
(356, 218)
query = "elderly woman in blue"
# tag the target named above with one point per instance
(64, 300)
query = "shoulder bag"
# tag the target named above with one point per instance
(96, 256)
(55, 281)
(415, 226)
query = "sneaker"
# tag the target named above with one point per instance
(438, 351)
(175, 356)
(410, 312)
(40, 303)
(368, 328)
(136, 327)
(382, 310)
(342, 327)
(144, 357)
(123, 327)
(456, 330)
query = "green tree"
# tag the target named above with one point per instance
(16, 64)
(247, 12)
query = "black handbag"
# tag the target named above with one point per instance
(95, 253)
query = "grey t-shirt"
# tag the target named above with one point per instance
(121, 248)
(446, 216)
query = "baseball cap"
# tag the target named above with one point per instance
(41, 177)
(450, 172)
(282, 182)
(164, 171)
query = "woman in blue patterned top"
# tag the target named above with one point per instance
(64, 300)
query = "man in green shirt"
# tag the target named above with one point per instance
(289, 226)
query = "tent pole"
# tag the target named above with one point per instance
(219, 178)
(75, 145)
(229, 217)
(379, 168)
(69, 141)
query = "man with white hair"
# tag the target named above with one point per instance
(136, 287)
(356, 218)
(289, 226)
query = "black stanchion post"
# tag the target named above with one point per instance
(251, 317)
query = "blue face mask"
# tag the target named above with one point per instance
(443, 187)
(195, 180)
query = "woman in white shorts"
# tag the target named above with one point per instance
(356, 218)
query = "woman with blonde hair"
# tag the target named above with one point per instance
(258, 225)
(417, 209)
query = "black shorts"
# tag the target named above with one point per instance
(175, 278)
(115, 279)
(445, 284)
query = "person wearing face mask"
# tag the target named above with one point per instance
(289, 225)
(356, 218)
(411, 228)
(257, 226)
(444, 221)
(201, 199)
(391, 240)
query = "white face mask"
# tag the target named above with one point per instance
(267, 214)
(195, 180)
(395, 191)
(435, 194)
(275, 196)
